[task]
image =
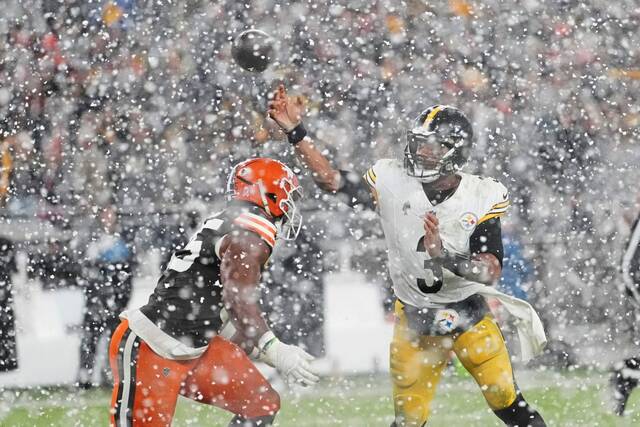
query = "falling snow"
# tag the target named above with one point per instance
(120, 121)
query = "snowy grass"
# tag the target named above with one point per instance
(578, 398)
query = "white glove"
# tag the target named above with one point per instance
(291, 361)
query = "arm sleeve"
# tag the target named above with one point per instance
(359, 190)
(487, 239)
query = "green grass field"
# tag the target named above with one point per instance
(578, 398)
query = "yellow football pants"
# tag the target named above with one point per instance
(417, 363)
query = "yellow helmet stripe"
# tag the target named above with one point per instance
(431, 116)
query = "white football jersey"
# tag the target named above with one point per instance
(402, 205)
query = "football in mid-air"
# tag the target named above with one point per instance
(253, 50)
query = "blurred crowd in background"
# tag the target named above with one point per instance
(120, 120)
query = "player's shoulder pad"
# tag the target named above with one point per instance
(496, 198)
(251, 218)
(378, 170)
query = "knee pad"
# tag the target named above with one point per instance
(479, 344)
(410, 361)
(483, 353)
(415, 374)
(404, 364)
(411, 410)
(499, 395)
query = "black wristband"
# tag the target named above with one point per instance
(297, 134)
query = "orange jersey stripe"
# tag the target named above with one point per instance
(267, 233)
(260, 220)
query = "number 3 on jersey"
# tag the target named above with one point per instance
(436, 270)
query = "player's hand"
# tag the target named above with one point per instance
(292, 362)
(267, 130)
(285, 110)
(432, 241)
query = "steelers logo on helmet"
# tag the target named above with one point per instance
(438, 144)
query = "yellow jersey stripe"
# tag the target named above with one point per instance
(489, 216)
(372, 175)
(502, 209)
(501, 205)
(372, 186)
(431, 116)
(368, 180)
(496, 212)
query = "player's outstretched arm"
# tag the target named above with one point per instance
(242, 258)
(287, 112)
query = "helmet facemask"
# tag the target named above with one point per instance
(431, 155)
(291, 220)
(438, 144)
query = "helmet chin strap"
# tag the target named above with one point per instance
(434, 174)
(429, 179)
(442, 170)
(263, 196)
(437, 174)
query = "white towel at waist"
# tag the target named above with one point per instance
(529, 326)
(160, 342)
